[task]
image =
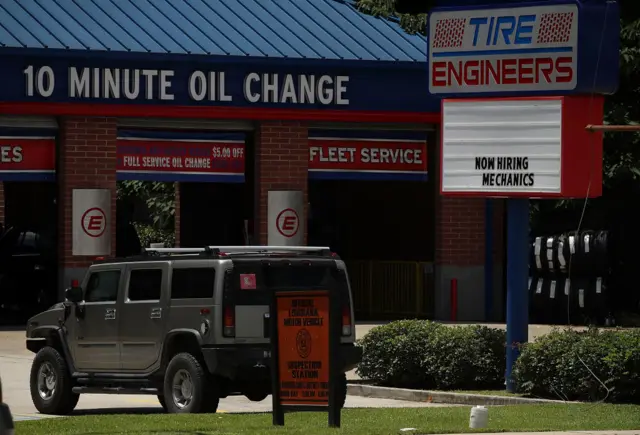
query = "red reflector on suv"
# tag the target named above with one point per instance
(229, 322)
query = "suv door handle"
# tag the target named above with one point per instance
(156, 313)
(110, 314)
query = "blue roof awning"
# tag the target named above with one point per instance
(295, 29)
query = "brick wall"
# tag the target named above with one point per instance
(498, 231)
(282, 160)
(87, 159)
(176, 217)
(459, 231)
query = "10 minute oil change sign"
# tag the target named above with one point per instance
(303, 348)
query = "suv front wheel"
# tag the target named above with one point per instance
(51, 384)
(188, 388)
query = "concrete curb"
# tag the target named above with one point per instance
(440, 396)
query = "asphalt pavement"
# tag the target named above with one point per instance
(15, 364)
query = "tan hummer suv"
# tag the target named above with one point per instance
(174, 323)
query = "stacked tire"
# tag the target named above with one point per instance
(568, 276)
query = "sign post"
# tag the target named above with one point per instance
(520, 84)
(305, 335)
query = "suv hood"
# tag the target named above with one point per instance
(52, 318)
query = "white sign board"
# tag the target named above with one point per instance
(286, 218)
(501, 147)
(91, 222)
(504, 50)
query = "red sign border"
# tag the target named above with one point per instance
(105, 222)
(297, 226)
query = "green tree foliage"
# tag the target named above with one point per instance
(385, 9)
(159, 198)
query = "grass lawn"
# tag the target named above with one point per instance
(354, 421)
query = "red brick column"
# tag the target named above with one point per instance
(282, 162)
(87, 161)
(460, 255)
(460, 235)
(499, 263)
(460, 231)
(176, 216)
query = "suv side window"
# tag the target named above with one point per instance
(145, 285)
(103, 286)
(193, 283)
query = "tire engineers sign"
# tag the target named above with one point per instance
(303, 348)
(91, 222)
(497, 50)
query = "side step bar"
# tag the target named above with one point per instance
(114, 390)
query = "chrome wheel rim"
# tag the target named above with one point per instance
(182, 389)
(47, 381)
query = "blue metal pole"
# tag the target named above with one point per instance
(488, 259)
(517, 278)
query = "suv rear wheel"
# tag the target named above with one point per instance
(51, 384)
(188, 388)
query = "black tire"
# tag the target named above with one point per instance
(63, 400)
(204, 398)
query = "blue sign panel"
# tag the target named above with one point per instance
(104, 78)
(526, 48)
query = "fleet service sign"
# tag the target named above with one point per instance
(504, 50)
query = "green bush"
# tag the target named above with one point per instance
(424, 354)
(148, 234)
(592, 365)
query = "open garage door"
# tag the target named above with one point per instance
(206, 173)
(371, 202)
(28, 253)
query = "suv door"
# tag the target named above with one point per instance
(96, 345)
(142, 323)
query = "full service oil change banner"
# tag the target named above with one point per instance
(27, 155)
(367, 155)
(181, 156)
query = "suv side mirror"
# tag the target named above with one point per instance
(74, 294)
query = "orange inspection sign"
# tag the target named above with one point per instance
(303, 348)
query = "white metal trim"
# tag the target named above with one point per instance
(17, 121)
(145, 139)
(185, 124)
(371, 126)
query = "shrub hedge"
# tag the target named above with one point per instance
(592, 365)
(428, 355)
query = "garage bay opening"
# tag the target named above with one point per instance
(371, 203)
(28, 227)
(182, 188)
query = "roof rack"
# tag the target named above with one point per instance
(174, 250)
(258, 248)
(218, 250)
